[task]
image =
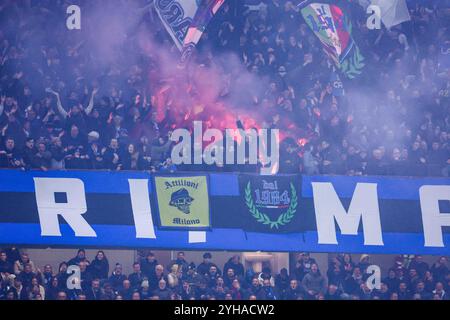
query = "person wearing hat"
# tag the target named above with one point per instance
(181, 200)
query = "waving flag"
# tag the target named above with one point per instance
(186, 20)
(393, 12)
(334, 29)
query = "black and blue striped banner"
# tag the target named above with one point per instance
(248, 212)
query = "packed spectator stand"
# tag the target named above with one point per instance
(63, 107)
(409, 278)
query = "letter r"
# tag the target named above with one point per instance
(71, 210)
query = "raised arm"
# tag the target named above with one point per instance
(61, 110)
(90, 106)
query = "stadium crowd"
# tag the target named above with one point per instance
(62, 109)
(408, 279)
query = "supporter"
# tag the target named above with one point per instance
(254, 288)
(144, 291)
(364, 262)
(234, 263)
(99, 267)
(187, 291)
(116, 279)
(47, 276)
(238, 293)
(219, 290)
(314, 283)
(282, 281)
(5, 265)
(26, 275)
(32, 286)
(391, 280)
(267, 291)
(174, 276)
(94, 292)
(294, 292)
(303, 265)
(403, 292)
(86, 276)
(157, 276)
(440, 292)
(81, 256)
(137, 276)
(162, 292)
(203, 267)
(20, 264)
(181, 261)
(387, 126)
(419, 265)
(51, 292)
(383, 292)
(353, 282)
(61, 296)
(62, 274)
(421, 292)
(439, 269)
(126, 291)
(213, 274)
(148, 264)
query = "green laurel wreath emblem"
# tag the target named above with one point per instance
(263, 218)
(352, 66)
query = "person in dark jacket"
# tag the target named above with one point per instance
(131, 159)
(117, 278)
(267, 291)
(303, 265)
(26, 275)
(148, 265)
(5, 265)
(81, 256)
(162, 292)
(157, 276)
(282, 281)
(19, 289)
(51, 292)
(126, 291)
(62, 275)
(94, 292)
(203, 267)
(99, 267)
(235, 263)
(294, 292)
(391, 280)
(137, 276)
(333, 293)
(47, 275)
(255, 287)
(383, 293)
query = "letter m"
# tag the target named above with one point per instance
(363, 206)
